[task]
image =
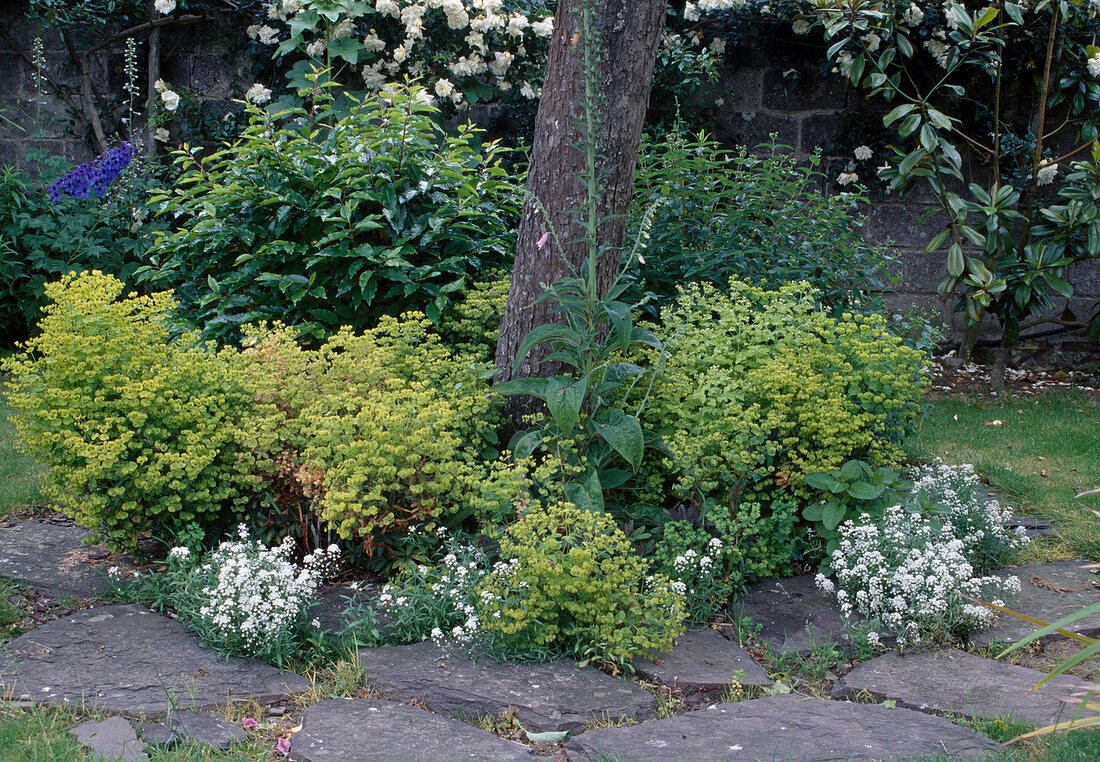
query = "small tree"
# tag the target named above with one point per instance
(1008, 241)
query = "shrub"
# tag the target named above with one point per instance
(472, 324)
(321, 218)
(757, 218)
(760, 388)
(42, 239)
(570, 582)
(377, 432)
(764, 386)
(139, 430)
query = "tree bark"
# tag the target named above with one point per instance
(628, 35)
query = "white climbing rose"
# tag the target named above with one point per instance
(165, 6)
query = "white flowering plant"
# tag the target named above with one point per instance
(955, 495)
(914, 567)
(1007, 241)
(693, 560)
(439, 601)
(244, 598)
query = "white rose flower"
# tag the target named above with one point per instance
(171, 99)
(1094, 65)
(543, 28)
(444, 88)
(268, 35)
(258, 94)
(165, 6)
(863, 153)
(847, 178)
(1046, 174)
(800, 26)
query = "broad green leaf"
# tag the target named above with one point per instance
(833, 514)
(564, 397)
(624, 433)
(865, 490)
(542, 333)
(898, 113)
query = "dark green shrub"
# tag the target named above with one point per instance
(321, 218)
(758, 218)
(139, 431)
(41, 240)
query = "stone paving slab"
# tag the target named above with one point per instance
(949, 681)
(1047, 592)
(779, 728)
(128, 659)
(51, 558)
(554, 696)
(373, 730)
(702, 661)
(792, 613)
(112, 739)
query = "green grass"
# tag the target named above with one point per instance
(28, 735)
(19, 475)
(1044, 454)
(1078, 746)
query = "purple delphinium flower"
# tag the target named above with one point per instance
(95, 176)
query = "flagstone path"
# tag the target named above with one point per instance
(129, 661)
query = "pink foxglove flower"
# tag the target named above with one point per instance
(542, 241)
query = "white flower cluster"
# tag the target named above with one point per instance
(693, 568)
(954, 493)
(444, 596)
(417, 39)
(912, 574)
(253, 594)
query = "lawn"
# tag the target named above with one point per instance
(19, 475)
(1038, 453)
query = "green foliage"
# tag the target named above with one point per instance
(690, 555)
(375, 432)
(1006, 242)
(570, 582)
(759, 218)
(320, 218)
(139, 431)
(588, 428)
(850, 491)
(41, 240)
(472, 324)
(765, 386)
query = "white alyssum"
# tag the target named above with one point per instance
(911, 572)
(251, 595)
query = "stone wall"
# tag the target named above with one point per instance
(772, 94)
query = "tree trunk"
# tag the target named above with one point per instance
(628, 35)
